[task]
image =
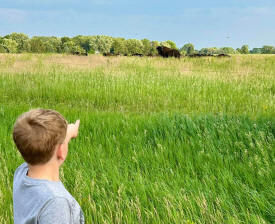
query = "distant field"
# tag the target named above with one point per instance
(188, 140)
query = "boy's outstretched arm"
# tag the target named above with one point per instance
(72, 130)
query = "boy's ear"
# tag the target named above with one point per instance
(59, 152)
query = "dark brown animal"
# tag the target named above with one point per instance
(109, 54)
(197, 55)
(80, 54)
(223, 55)
(139, 55)
(168, 52)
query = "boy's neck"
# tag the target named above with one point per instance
(46, 171)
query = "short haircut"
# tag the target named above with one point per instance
(36, 134)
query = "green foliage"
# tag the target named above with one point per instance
(26, 46)
(245, 49)
(153, 49)
(172, 44)
(21, 40)
(227, 50)
(268, 49)
(146, 47)
(100, 43)
(210, 50)
(79, 49)
(53, 45)
(65, 39)
(83, 42)
(2, 49)
(69, 47)
(9, 45)
(168, 43)
(188, 48)
(118, 46)
(256, 51)
(43, 44)
(134, 46)
(37, 45)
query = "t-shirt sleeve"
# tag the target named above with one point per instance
(56, 211)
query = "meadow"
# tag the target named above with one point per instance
(188, 140)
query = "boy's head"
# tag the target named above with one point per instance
(37, 133)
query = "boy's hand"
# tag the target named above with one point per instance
(72, 130)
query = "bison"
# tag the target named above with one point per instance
(137, 54)
(168, 52)
(110, 54)
(80, 53)
(223, 55)
(198, 55)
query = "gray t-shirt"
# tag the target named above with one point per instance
(38, 201)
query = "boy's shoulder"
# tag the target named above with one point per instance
(20, 171)
(22, 166)
(49, 198)
(41, 187)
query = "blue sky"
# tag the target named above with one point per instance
(205, 23)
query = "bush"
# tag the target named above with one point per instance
(9, 45)
(134, 46)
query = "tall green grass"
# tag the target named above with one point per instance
(161, 141)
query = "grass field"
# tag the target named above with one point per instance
(161, 140)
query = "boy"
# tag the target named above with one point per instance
(39, 197)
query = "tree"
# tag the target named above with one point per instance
(146, 46)
(134, 46)
(267, 49)
(20, 39)
(69, 47)
(53, 44)
(37, 45)
(65, 39)
(210, 50)
(183, 51)
(245, 49)
(66, 45)
(78, 49)
(188, 48)
(20, 42)
(82, 41)
(256, 51)
(153, 48)
(118, 46)
(9, 45)
(227, 50)
(101, 43)
(168, 43)
(2, 49)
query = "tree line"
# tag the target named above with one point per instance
(20, 42)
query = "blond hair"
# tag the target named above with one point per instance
(36, 134)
